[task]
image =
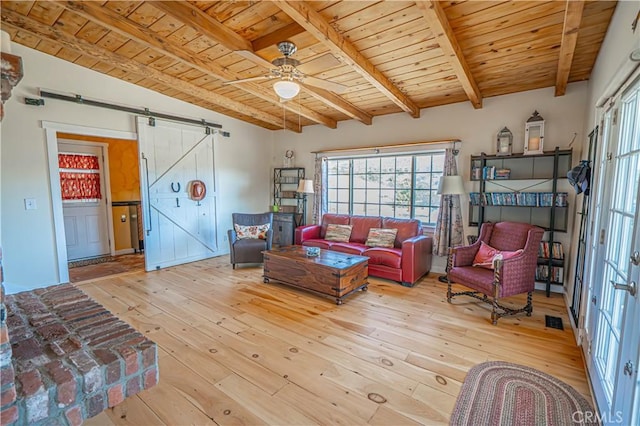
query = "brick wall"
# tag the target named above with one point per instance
(8, 410)
(72, 358)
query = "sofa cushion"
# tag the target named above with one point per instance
(391, 257)
(313, 242)
(350, 248)
(361, 226)
(338, 233)
(328, 218)
(381, 237)
(480, 278)
(407, 228)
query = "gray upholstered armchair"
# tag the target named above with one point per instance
(506, 275)
(249, 250)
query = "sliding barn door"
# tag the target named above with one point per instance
(177, 229)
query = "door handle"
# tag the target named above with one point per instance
(635, 258)
(146, 172)
(632, 287)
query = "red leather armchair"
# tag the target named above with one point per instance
(515, 275)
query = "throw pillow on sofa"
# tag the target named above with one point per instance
(381, 237)
(252, 231)
(338, 233)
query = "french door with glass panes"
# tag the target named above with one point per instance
(612, 329)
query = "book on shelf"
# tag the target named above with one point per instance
(547, 250)
(525, 199)
(556, 276)
(491, 173)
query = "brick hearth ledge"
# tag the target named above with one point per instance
(64, 358)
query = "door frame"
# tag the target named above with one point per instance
(51, 129)
(104, 149)
(589, 320)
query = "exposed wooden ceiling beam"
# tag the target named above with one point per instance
(183, 10)
(443, 33)
(572, 20)
(204, 23)
(146, 37)
(338, 103)
(52, 33)
(284, 33)
(316, 25)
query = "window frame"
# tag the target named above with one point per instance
(337, 204)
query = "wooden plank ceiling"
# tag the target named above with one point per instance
(392, 56)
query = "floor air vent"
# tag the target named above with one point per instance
(553, 322)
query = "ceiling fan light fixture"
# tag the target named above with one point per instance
(286, 89)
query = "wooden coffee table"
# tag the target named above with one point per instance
(331, 273)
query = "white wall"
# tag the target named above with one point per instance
(28, 236)
(613, 63)
(476, 128)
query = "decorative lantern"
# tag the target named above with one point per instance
(534, 134)
(288, 158)
(504, 142)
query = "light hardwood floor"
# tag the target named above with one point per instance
(234, 350)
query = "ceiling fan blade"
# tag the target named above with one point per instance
(253, 57)
(319, 64)
(244, 80)
(325, 84)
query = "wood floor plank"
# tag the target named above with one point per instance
(169, 403)
(132, 412)
(426, 413)
(261, 404)
(386, 416)
(234, 350)
(202, 394)
(315, 407)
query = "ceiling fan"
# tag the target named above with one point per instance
(290, 71)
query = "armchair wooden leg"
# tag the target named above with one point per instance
(234, 265)
(496, 293)
(529, 307)
(494, 312)
(449, 295)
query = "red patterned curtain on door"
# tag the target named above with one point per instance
(79, 177)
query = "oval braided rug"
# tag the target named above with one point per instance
(501, 393)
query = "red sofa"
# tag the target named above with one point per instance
(406, 262)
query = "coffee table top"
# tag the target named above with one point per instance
(332, 259)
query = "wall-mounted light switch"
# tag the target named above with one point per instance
(30, 204)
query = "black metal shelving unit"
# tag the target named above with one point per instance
(539, 169)
(285, 183)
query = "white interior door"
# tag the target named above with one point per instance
(84, 200)
(613, 328)
(177, 229)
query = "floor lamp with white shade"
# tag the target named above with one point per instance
(305, 186)
(450, 185)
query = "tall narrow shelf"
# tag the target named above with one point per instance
(523, 188)
(285, 184)
(289, 202)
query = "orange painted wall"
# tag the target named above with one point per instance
(123, 165)
(123, 170)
